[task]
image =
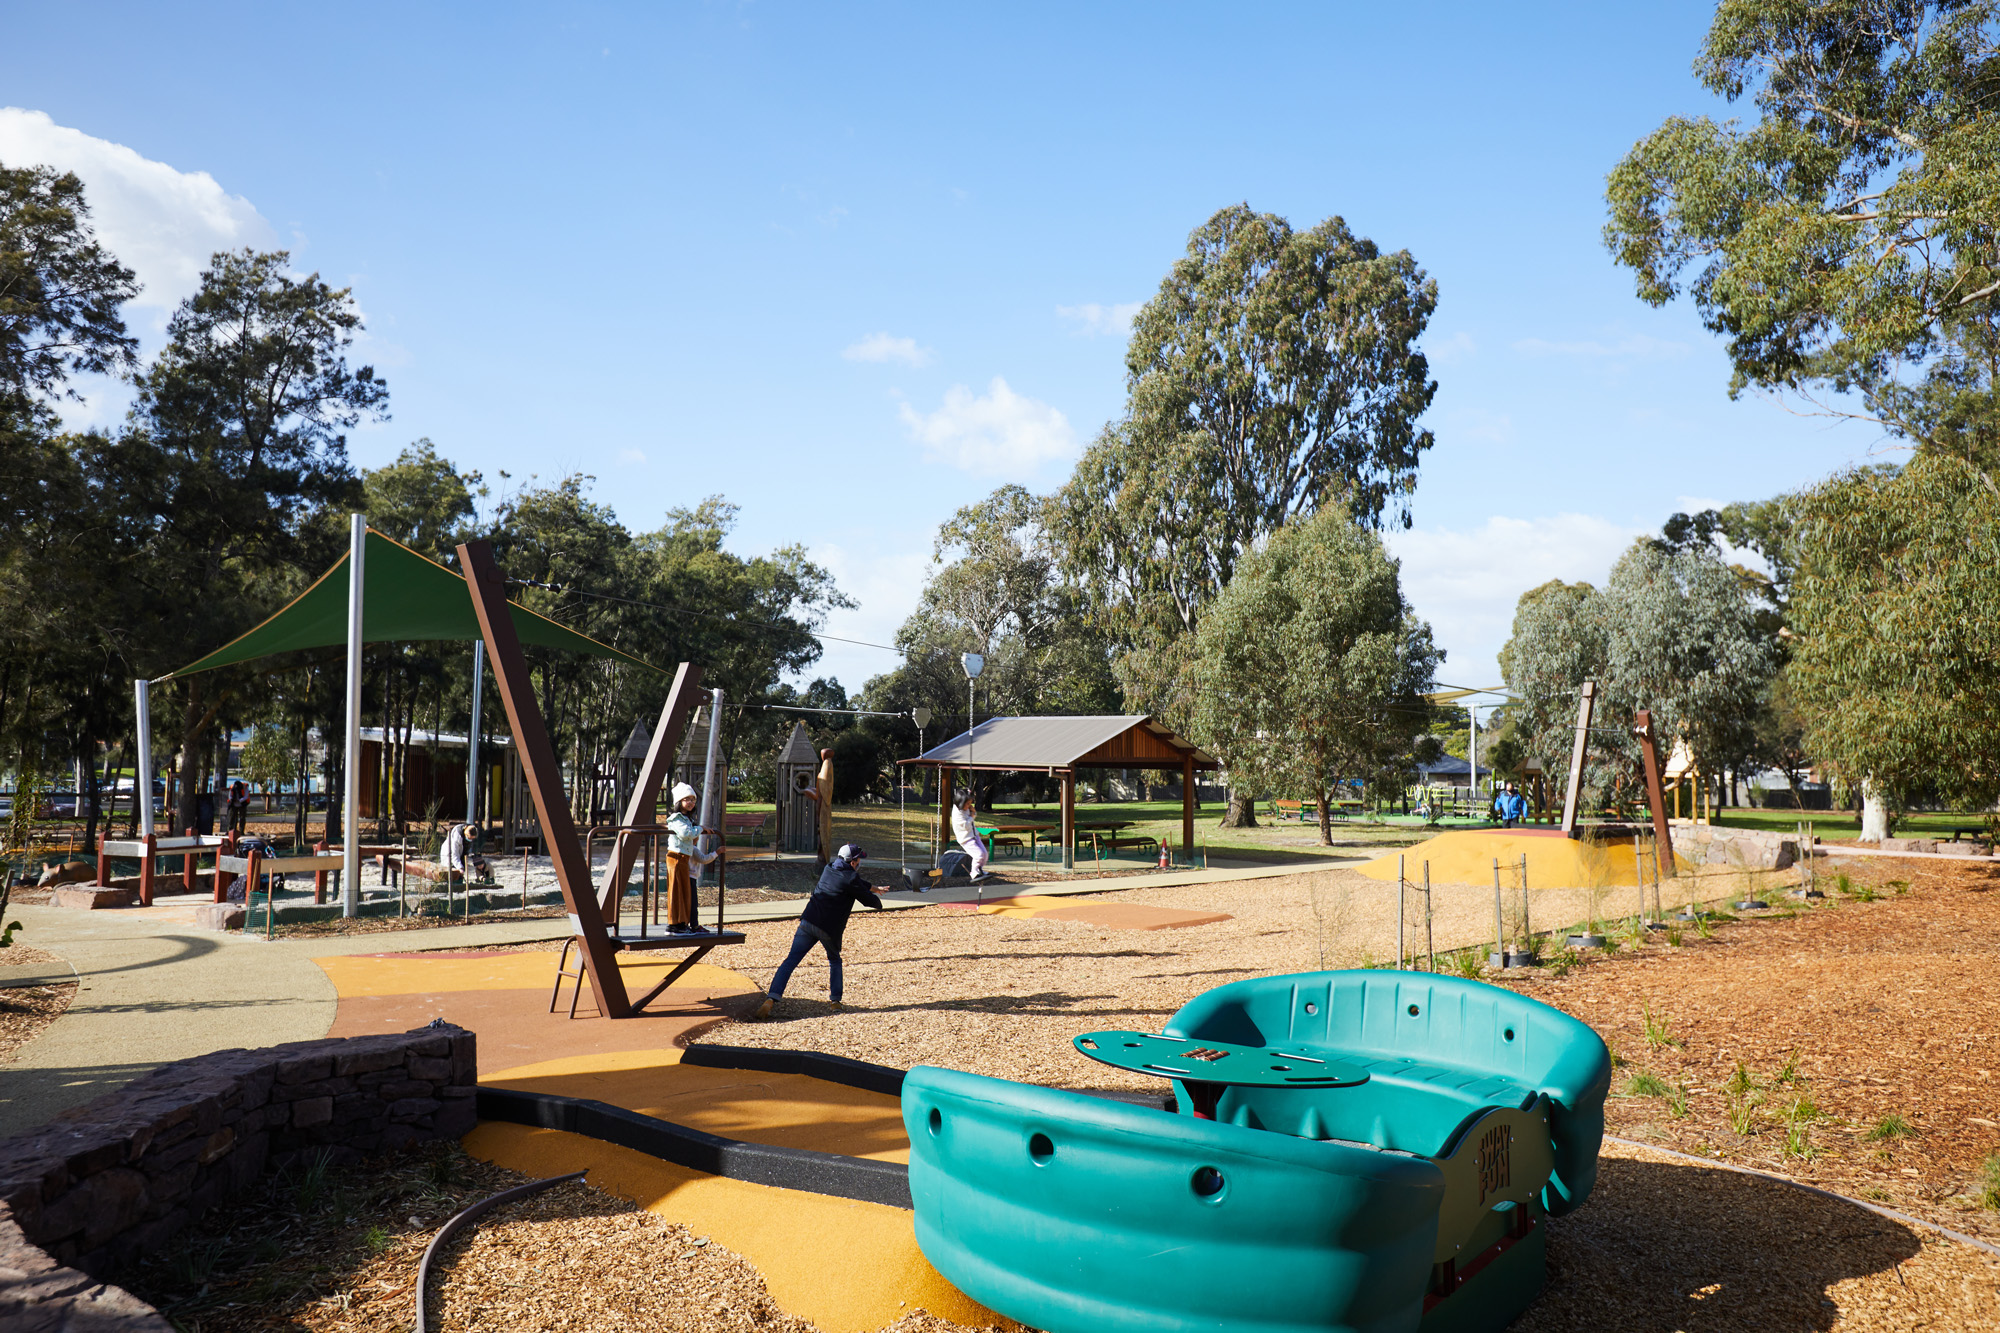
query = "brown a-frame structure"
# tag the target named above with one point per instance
(591, 907)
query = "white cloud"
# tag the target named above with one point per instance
(1101, 320)
(160, 222)
(1000, 434)
(885, 347)
(1476, 425)
(631, 455)
(1636, 347)
(1451, 351)
(1467, 582)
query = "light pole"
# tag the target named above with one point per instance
(922, 717)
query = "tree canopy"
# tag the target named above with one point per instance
(1274, 373)
(1310, 665)
(1849, 240)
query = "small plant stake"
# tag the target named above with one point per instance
(1402, 913)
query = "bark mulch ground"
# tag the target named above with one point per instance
(336, 1250)
(26, 1010)
(1853, 1043)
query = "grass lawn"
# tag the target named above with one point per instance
(879, 826)
(1835, 825)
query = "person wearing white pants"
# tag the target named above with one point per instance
(967, 832)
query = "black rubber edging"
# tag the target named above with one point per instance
(464, 1217)
(812, 1064)
(859, 1178)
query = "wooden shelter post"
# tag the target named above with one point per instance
(1574, 796)
(945, 796)
(658, 766)
(1187, 806)
(538, 761)
(1656, 798)
(1069, 818)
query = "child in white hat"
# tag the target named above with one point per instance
(684, 853)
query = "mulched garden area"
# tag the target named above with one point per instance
(321, 1249)
(1854, 1044)
(26, 1010)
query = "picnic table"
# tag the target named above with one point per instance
(1205, 1067)
(1033, 830)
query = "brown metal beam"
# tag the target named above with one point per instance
(653, 774)
(1571, 798)
(1656, 796)
(544, 774)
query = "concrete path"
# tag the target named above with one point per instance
(154, 988)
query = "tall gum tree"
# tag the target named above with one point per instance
(1275, 372)
(1847, 243)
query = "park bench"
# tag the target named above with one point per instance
(1296, 811)
(746, 822)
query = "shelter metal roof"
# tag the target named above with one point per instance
(1065, 742)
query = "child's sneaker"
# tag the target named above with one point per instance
(764, 1010)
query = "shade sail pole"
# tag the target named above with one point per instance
(142, 778)
(472, 741)
(712, 801)
(350, 787)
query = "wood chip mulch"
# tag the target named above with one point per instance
(338, 1252)
(1868, 1033)
(26, 1010)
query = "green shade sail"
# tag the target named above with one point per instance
(404, 598)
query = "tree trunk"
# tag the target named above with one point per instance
(1242, 811)
(1325, 817)
(1876, 820)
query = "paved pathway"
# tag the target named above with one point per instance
(154, 988)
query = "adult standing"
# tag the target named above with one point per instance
(824, 922)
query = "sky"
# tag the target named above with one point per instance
(854, 266)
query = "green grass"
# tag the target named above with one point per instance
(1894, 1125)
(1834, 825)
(1988, 1187)
(1643, 1084)
(1657, 1032)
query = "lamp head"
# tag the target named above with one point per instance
(974, 663)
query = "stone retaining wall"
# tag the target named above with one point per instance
(104, 1183)
(1752, 849)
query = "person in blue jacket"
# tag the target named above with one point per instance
(1513, 805)
(823, 922)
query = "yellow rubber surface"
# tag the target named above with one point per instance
(847, 1266)
(784, 1110)
(399, 974)
(1465, 856)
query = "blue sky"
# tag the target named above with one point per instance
(854, 266)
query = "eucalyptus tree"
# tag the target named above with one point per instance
(1275, 372)
(1674, 631)
(1896, 609)
(1309, 666)
(1846, 243)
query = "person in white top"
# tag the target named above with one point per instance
(967, 832)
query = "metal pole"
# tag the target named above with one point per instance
(712, 804)
(1499, 927)
(1430, 942)
(1639, 872)
(472, 740)
(142, 778)
(350, 799)
(1472, 777)
(1402, 913)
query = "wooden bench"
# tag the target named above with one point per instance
(1292, 810)
(746, 822)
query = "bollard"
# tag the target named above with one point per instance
(319, 876)
(146, 856)
(187, 864)
(104, 858)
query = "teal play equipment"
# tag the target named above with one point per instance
(1384, 1149)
